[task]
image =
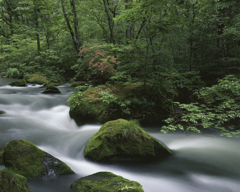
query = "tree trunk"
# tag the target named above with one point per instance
(37, 26)
(70, 28)
(110, 22)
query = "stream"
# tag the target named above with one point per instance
(199, 163)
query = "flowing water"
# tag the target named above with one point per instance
(198, 163)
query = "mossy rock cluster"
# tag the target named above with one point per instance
(99, 104)
(124, 141)
(12, 182)
(19, 83)
(107, 182)
(28, 160)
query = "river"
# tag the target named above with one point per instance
(199, 163)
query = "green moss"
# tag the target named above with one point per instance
(20, 83)
(122, 140)
(11, 182)
(107, 182)
(51, 85)
(28, 160)
(77, 83)
(65, 170)
(38, 79)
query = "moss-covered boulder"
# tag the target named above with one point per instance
(20, 83)
(11, 182)
(107, 182)
(51, 89)
(124, 141)
(103, 103)
(37, 79)
(28, 160)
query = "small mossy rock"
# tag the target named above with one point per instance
(51, 89)
(11, 182)
(107, 182)
(2, 112)
(30, 161)
(77, 83)
(124, 141)
(20, 83)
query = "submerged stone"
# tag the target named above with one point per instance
(30, 161)
(107, 182)
(124, 141)
(20, 83)
(11, 182)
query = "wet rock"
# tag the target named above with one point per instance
(1, 112)
(107, 182)
(19, 83)
(12, 182)
(124, 141)
(51, 89)
(30, 161)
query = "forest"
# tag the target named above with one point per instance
(150, 60)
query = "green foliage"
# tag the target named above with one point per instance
(218, 106)
(12, 73)
(121, 78)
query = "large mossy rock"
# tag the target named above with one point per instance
(102, 103)
(124, 141)
(11, 182)
(37, 79)
(20, 83)
(107, 182)
(30, 161)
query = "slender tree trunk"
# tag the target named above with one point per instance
(75, 21)
(70, 28)
(110, 22)
(37, 27)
